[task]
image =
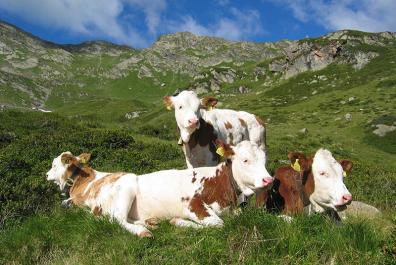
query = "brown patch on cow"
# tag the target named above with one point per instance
(83, 177)
(97, 211)
(98, 184)
(218, 188)
(209, 101)
(243, 122)
(346, 165)
(185, 199)
(260, 121)
(291, 190)
(228, 125)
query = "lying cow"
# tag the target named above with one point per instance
(200, 125)
(191, 197)
(309, 184)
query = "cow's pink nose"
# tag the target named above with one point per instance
(192, 122)
(346, 198)
(267, 181)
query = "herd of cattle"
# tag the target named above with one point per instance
(225, 154)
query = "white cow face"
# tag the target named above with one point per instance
(248, 166)
(61, 168)
(330, 191)
(187, 107)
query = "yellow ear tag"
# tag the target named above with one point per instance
(296, 166)
(83, 161)
(344, 173)
(209, 108)
(220, 151)
(169, 107)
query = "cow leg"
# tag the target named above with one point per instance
(211, 218)
(122, 205)
(151, 223)
(184, 223)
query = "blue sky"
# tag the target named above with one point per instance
(139, 23)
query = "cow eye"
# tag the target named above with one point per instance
(245, 161)
(322, 173)
(180, 107)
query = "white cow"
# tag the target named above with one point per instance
(191, 197)
(200, 125)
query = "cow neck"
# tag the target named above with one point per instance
(80, 176)
(222, 188)
(203, 136)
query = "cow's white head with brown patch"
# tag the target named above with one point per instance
(63, 167)
(330, 191)
(248, 166)
(187, 107)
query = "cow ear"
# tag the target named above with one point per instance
(208, 102)
(298, 161)
(67, 158)
(84, 158)
(168, 102)
(223, 149)
(346, 166)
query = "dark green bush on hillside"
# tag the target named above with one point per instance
(25, 158)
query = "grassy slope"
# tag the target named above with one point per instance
(43, 233)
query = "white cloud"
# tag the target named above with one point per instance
(365, 15)
(239, 26)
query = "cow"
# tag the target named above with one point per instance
(309, 184)
(190, 197)
(200, 125)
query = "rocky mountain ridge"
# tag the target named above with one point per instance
(31, 69)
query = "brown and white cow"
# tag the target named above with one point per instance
(313, 184)
(191, 197)
(200, 125)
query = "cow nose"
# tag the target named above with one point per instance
(267, 181)
(193, 122)
(346, 198)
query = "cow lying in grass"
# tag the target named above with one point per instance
(191, 197)
(199, 127)
(309, 184)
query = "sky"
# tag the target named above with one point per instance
(139, 23)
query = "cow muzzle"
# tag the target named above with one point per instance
(267, 181)
(193, 123)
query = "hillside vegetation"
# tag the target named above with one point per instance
(107, 100)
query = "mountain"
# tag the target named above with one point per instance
(40, 74)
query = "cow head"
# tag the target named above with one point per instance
(330, 191)
(64, 166)
(248, 165)
(187, 107)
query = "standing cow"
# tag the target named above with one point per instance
(309, 184)
(191, 197)
(200, 125)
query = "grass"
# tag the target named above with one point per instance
(75, 236)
